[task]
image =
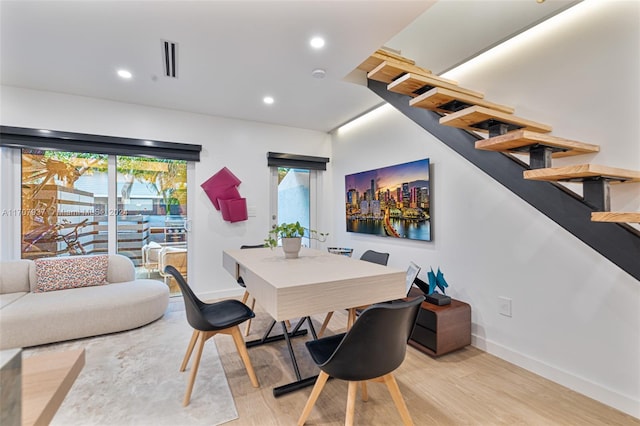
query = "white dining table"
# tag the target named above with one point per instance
(314, 283)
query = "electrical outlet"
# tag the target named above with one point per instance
(504, 306)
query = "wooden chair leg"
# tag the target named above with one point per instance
(325, 323)
(315, 393)
(351, 318)
(365, 393)
(202, 337)
(394, 390)
(351, 403)
(187, 355)
(253, 305)
(242, 350)
(245, 296)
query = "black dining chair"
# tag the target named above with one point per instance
(371, 350)
(375, 257)
(207, 320)
(246, 294)
(368, 256)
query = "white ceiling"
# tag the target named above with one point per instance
(233, 53)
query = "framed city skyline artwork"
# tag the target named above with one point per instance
(392, 201)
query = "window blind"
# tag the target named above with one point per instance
(20, 137)
(278, 159)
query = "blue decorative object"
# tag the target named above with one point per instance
(441, 282)
(432, 281)
(436, 280)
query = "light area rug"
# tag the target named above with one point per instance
(133, 378)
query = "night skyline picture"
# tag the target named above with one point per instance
(391, 201)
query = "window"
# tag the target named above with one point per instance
(294, 189)
(66, 198)
(292, 198)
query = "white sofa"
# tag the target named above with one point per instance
(29, 318)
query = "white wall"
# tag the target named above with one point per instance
(576, 316)
(241, 146)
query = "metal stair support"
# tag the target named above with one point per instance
(618, 242)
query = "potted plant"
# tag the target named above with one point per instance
(291, 236)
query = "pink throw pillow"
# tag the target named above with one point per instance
(61, 273)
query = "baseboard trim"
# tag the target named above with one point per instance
(592, 390)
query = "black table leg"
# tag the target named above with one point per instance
(300, 382)
(268, 339)
(286, 336)
(292, 354)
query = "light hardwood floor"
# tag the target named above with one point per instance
(467, 387)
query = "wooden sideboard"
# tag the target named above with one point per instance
(441, 329)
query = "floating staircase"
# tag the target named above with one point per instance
(494, 127)
(467, 109)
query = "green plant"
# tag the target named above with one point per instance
(291, 230)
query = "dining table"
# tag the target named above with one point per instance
(315, 282)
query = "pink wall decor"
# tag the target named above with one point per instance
(234, 210)
(221, 188)
(223, 194)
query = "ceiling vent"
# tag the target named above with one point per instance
(169, 58)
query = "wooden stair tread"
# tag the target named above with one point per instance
(443, 100)
(618, 217)
(388, 71)
(381, 55)
(473, 118)
(515, 141)
(581, 172)
(411, 83)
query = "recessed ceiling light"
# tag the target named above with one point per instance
(124, 74)
(268, 100)
(44, 131)
(317, 42)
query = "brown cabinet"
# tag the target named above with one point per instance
(441, 329)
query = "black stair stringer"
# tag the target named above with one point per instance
(620, 243)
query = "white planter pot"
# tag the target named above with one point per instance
(291, 247)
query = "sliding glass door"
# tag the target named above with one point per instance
(77, 203)
(152, 215)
